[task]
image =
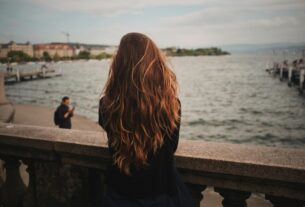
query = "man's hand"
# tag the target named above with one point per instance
(69, 113)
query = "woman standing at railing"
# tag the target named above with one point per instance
(141, 113)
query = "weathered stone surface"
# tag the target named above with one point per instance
(245, 160)
(86, 148)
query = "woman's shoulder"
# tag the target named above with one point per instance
(102, 98)
(102, 105)
(102, 102)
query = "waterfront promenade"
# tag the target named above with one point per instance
(43, 116)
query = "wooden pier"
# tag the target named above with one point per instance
(18, 75)
(293, 73)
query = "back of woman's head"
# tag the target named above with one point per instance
(140, 101)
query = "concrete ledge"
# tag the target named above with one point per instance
(274, 171)
(283, 164)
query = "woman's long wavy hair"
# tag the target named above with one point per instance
(141, 102)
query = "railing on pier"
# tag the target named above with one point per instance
(18, 75)
(294, 73)
(65, 168)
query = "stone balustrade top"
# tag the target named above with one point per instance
(244, 167)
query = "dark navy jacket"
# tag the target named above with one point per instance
(64, 122)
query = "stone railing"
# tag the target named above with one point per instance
(65, 168)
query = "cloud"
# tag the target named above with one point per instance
(230, 22)
(191, 23)
(124, 6)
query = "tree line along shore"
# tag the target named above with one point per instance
(211, 51)
(20, 53)
(20, 57)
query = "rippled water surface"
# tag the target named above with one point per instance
(229, 98)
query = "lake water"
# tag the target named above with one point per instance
(227, 98)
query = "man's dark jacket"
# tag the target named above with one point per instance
(64, 122)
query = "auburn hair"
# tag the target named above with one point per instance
(141, 102)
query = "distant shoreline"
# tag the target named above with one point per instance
(18, 56)
(211, 51)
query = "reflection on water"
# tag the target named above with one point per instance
(229, 98)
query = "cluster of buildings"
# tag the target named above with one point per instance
(27, 48)
(54, 49)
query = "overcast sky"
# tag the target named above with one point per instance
(183, 23)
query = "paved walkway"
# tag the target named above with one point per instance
(43, 116)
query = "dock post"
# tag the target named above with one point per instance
(281, 73)
(43, 72)
(302, 74)
(17, 75)
(290, 75)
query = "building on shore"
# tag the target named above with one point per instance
(111, 49)
(95, 50)
(26, 48)
(78, 49)
(53, 50)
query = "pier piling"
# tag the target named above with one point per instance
(302, 74)
(290, 75)
(293, 72)
(281, 73)
(18, 75)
